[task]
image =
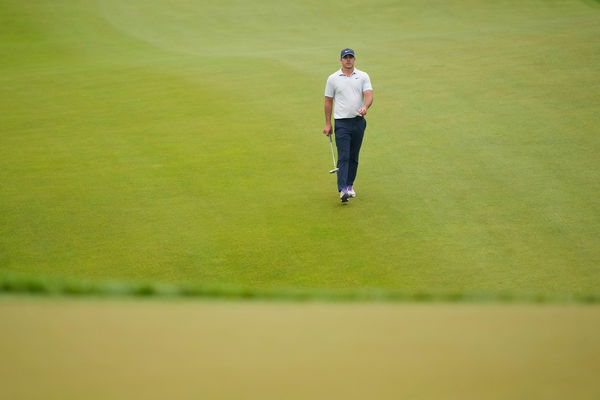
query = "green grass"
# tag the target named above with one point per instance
(19, 284)
(179, 143)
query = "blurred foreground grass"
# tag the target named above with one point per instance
(66, 349)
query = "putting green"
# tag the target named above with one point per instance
(222, 350)
(180, 142)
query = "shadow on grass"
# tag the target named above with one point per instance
(592, 3)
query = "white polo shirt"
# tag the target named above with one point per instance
(347, 92)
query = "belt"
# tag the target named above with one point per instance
(358, 117)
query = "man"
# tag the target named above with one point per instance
(353, 94)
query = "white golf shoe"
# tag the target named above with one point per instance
(350, 191)
(344, 197)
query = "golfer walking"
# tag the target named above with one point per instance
(353, 94)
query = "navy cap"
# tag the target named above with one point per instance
(345, 52)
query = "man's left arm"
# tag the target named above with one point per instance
(367, 94)
(367, 101)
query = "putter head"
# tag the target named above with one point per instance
(334, 170)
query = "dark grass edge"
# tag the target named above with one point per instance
(13, 284)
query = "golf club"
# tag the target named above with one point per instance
(335, 169)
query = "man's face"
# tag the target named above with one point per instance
(348, 61)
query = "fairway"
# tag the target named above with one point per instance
(180, 142)
(169, 228)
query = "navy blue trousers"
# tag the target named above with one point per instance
(349, 134)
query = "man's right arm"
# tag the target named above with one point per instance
(328, 106)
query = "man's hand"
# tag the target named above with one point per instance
(327, 130)
(362, 111)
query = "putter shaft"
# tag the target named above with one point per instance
(335, 168)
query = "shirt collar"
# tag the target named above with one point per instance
(340, 73)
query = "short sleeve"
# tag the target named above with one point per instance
(366, 83)
(329, 90)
